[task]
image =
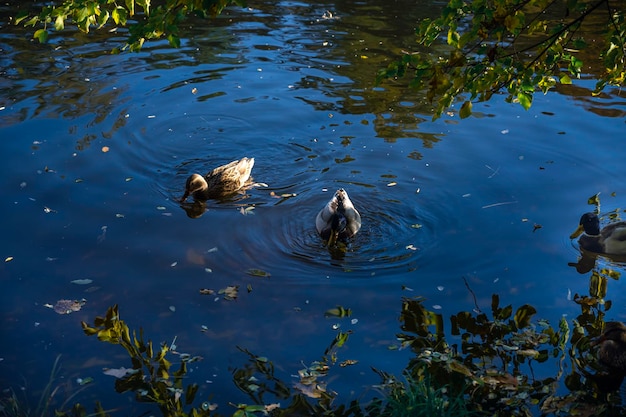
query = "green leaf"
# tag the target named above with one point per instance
(130, 5)
(59, 22)
(103, 18)
(466, 110)
(41, 35)
(21, 16)
(565, 79)
(173, 40)
(119, 15)
(525, 99)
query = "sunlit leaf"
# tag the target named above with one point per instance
(41, 35)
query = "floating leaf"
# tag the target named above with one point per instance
(258, 273)
(230, 293)
(207, 291)
(391, 184)
(105, 149)
(338, 311)
(68, 306)
(120, 372)
(8, 259)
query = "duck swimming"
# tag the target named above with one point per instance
(612, 351)
(339, 219)
(223, 180)
(611, 240)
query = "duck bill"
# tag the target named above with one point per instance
(184, 198)
(577, 232)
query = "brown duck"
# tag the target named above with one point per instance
(222, 181)
(612, 347)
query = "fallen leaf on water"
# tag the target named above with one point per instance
(105, 149)
(8, 259)
(230, 293)
(207, 291)
(68, 306)
(119, 372)
(258, 273)
(391, 184)
(348, 362)
(536, 226)
(82, 281)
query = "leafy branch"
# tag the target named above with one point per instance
(507, 45)
(143, 19)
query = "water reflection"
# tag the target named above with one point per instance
(294, 90)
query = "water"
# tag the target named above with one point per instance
(96, 149)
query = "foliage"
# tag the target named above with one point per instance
(517, 46)
(150, 377)
(144, 19)
(489, 370)
(493, 366)
(14, 406)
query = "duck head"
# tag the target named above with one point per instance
(589, 223)
(195, 184)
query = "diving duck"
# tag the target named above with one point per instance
(338, 220)
(612, 351)
(611, 240)
(223, 180)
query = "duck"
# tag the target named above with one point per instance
(612, 347)
(339, 219)
(222, 181)
(611, 240)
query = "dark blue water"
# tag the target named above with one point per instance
(443, 203)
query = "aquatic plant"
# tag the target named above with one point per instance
(149, 377)
(48, 402)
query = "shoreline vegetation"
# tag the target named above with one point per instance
(489, 373)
